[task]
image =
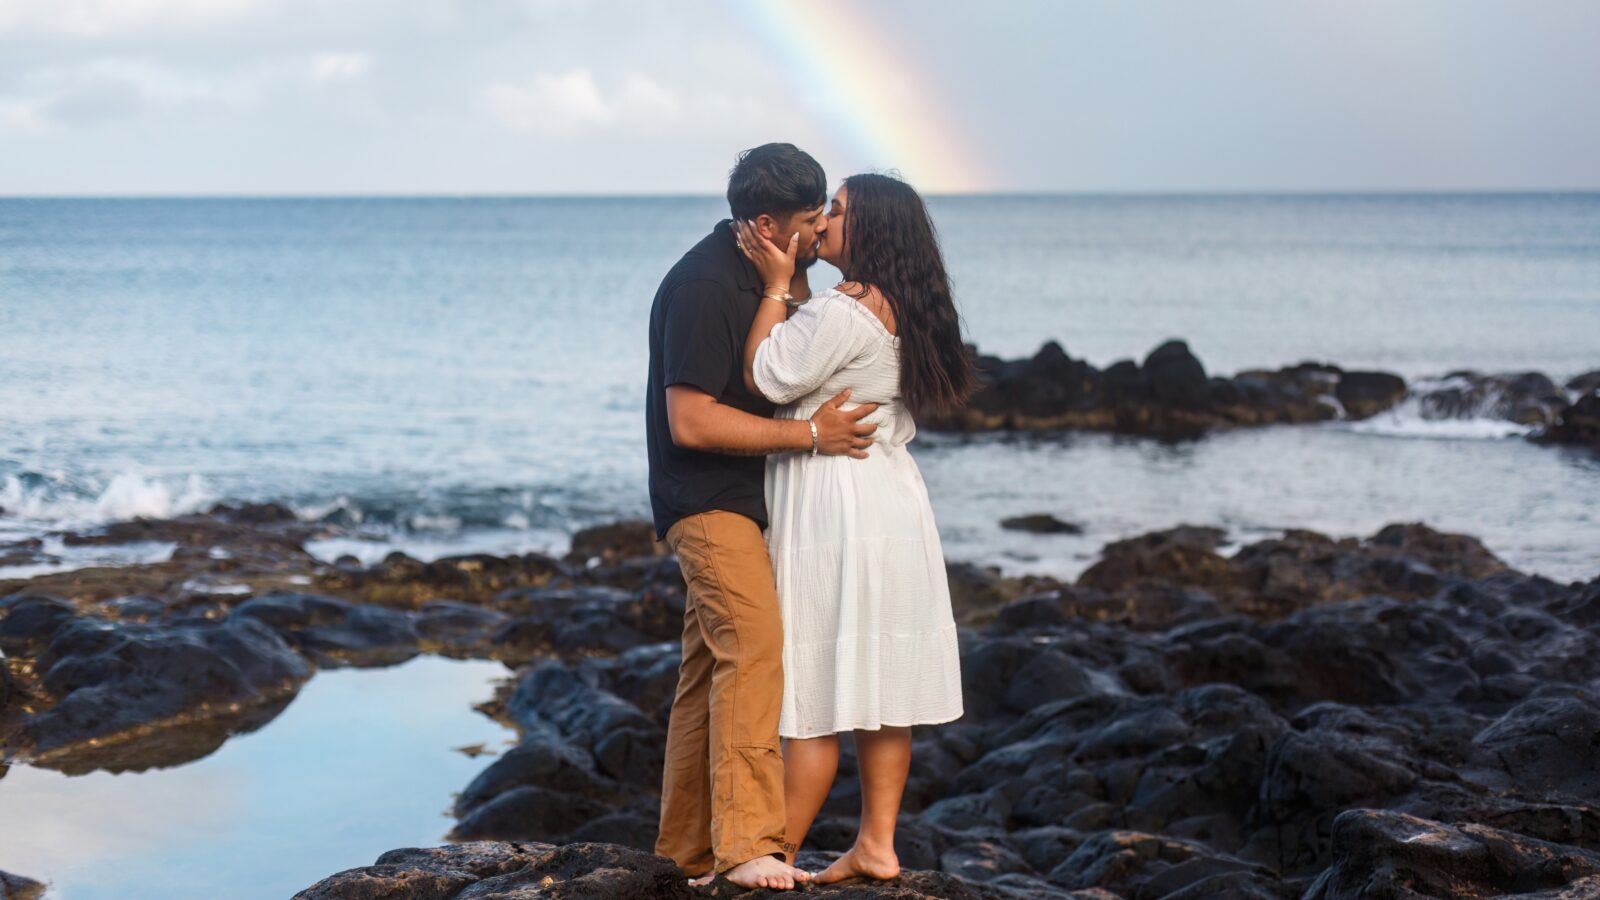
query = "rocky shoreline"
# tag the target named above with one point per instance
(1399, 715)
(1171, 396)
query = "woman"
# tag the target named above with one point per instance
(869, 639)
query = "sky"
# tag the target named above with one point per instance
(185, 97)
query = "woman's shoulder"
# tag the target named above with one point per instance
(869, 300)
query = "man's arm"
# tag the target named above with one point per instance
(699, 422)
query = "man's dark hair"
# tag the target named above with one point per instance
(776, 179)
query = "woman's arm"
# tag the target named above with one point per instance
(777, 268)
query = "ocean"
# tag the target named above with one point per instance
(461, 374)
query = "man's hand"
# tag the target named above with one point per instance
(840, 432)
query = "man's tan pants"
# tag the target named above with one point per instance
(722, 789)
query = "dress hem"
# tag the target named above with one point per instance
(875, 727)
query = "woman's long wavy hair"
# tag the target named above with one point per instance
(891, 245)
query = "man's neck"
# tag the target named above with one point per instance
(800, 285)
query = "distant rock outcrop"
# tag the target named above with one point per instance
(1170, 396)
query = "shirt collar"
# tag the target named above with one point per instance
(744, 271)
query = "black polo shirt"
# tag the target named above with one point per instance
(698, 325)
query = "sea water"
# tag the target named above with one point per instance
(469, 373)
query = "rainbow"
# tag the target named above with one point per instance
(857, 80)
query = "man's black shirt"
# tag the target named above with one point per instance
(698, 325)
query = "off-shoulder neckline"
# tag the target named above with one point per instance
(860, 307)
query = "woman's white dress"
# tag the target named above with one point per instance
(868, 634)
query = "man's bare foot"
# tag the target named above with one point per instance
(859, 860)
(702, 880)
(766, 872)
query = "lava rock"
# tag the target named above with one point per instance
(1379, 853)
(1365, 394)
(335, 632)
(100, 679)
(1577, 424)
(613, 542)
(1040, 523)
(488, 869)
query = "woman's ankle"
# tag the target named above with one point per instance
(875, 845)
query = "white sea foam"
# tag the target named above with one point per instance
(52, 500)
(58, 556)
(429, 547)
(1399, 424)
(312, 512)
(1413, 417)
(130, 495)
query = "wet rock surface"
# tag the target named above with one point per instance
(1305, 716)
(1171, 396)
(1578, 424)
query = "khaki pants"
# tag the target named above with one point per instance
(722, 789)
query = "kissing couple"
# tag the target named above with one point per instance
(778, 422)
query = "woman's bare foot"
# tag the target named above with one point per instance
(766, 872)
(702, 880)
(881, 864)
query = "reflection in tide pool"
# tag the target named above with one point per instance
(361, 762)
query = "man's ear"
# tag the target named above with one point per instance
(767, 226)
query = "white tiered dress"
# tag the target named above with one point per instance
(868, 634)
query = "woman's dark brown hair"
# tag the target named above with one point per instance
(892, 246)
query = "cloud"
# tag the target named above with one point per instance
(107, 90)
(572, 103)
(102, 18)
(340, 66)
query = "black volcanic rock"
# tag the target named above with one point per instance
(1040, 523)
(1527, 398)
(1169, 396)
(1184, 721)
(1576, 424)
(586, 619)
(1176, 377)
(1365, 394)
(407, 583)
(615, 541)
(1587, 383)
(97, 680)
(484, 869)
(1388, 854)
(334, 632)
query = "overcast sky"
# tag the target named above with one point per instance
(643, 96)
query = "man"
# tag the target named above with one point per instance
(722, 807)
